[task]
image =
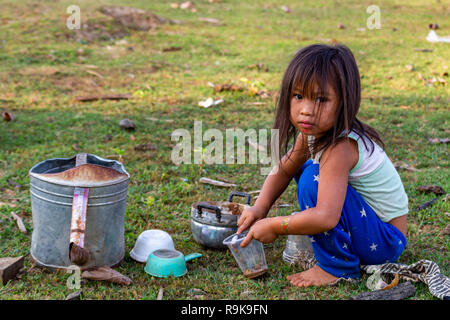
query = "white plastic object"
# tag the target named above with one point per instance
(149, 241)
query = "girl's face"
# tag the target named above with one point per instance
(306, 116)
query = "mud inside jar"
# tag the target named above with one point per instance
(251, 259)
(255, 272)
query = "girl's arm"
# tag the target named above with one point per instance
(335, 165)
(276, 183)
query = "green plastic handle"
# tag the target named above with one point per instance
(191, 256)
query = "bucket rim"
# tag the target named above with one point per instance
(86, 185)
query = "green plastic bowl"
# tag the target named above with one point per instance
(164, 263)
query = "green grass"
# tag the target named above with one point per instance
(168, 85)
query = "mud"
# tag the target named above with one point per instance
(255, 272)
(86, 173)
(226, 207)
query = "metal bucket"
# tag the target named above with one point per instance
(51, 205)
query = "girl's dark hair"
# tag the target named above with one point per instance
(323, 65)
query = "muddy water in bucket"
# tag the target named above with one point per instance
(54, 184)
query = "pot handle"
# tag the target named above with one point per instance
(240, 194)
(191, 256)
(211, 207)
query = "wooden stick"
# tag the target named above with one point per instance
(402, 291)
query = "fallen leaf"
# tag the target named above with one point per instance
(259, 66)
(145, 147)
(106, 274)
(393, 283)
(7, 116)
(227, 87)
(429, 188)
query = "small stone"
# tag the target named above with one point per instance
(127, 124)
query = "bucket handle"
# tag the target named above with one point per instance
(211, 207)
(81, 158)
(240, 194)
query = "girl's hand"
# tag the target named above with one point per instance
(249, 216)
(263, 230)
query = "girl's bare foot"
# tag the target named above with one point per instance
(312, 277)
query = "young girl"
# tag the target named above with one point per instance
(353, 204)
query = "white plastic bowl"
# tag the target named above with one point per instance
(149, 241)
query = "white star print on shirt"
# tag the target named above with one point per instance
(344, 246)
(316, 178)
(363, 213)
(373, 247)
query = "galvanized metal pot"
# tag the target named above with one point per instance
(213, 221)
(51, 204)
